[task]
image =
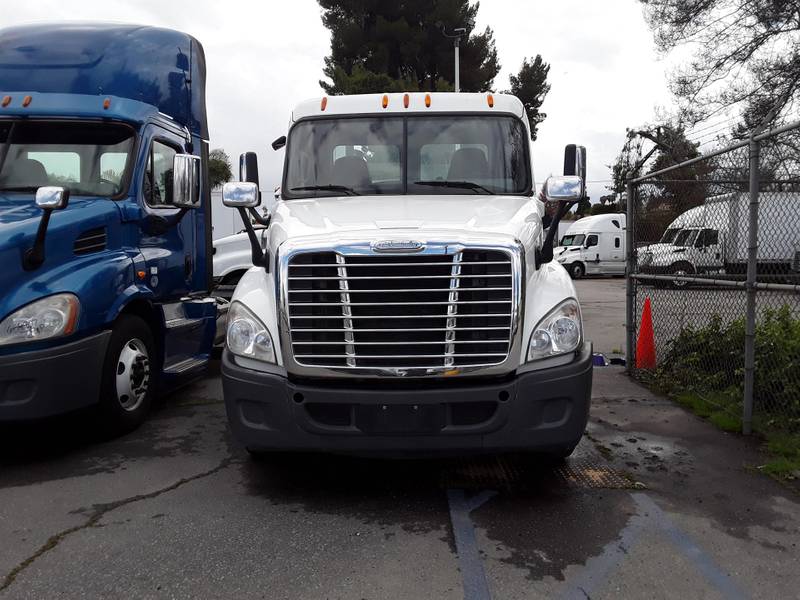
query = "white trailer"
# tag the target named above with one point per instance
(594, 246)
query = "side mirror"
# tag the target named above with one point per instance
(248, 167)
(568, 188)
(52, 198)
(575, 161)
(279, 143)
(186, 181)
(48, 198)
(240, 194)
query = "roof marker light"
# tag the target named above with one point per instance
(6, 101)
(324, 103)
(106, 103)
(26, 100)
(490, 100)
(385, 101)
(427, 100)
(405, 101)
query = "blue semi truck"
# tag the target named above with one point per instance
(105, 224)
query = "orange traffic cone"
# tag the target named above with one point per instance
(646, 344)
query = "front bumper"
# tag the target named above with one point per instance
(540, 410)
(44, 383)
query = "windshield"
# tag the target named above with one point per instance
(91, 159)
(573, 240)
(407, 155)
(669, 235)
(686, 237)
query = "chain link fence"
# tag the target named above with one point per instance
(714, 257)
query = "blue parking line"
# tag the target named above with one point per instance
(599, 568)
(473, 576)
(699, 559)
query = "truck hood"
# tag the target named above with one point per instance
(515, 216)
(19, 221)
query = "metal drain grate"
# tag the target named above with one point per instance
(507, 472)
(585, 473)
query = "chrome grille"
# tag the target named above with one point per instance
(427, 311)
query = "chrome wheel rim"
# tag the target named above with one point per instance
(132, 374)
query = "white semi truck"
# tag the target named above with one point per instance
(594, 246)
(404, 297)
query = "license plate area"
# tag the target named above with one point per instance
(400, 419)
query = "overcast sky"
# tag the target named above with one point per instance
(265, 56)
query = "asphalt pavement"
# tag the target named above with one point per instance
(655, 503)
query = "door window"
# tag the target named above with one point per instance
(708, 237)
(591, 241)
(158, 178)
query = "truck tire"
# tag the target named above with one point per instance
(577, 270)
(681, 269)
(128, 379)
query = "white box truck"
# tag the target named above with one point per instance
(594, 245)
(405, 298)
(713, 238)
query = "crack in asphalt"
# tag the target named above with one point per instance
(100, 510)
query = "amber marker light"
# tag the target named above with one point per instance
(323, 103)
(26, 100)
(385, 101)
(490, 101)
(406, 100)
(106, 103)
(428, 100)
(6, 101)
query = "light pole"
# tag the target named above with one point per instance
(456, 36)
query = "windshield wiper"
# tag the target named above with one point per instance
(348, 191)
(464, 185)
(20, 188)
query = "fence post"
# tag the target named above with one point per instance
(750, 323)
(630, 268)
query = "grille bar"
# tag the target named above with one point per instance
(391, 291)
(448, 303)
(304, 329)
(424, 311)
(400, 277)
(401, 343)
(351, 317)
(347, 314)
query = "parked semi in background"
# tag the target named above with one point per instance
(712, 238)
(105, 230)
(405, 296)
(594, 246)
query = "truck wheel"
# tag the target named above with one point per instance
(128, 382)
(577, 270)
(681, 270)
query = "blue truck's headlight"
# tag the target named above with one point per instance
(50, 317)
(247, 336)
(559, 332)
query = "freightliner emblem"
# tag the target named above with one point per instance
(397, 246)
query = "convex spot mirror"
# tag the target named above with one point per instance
(52, 198)
(566, 188)
(240, 194)
(186, 181)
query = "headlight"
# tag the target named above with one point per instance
(50, 317)
(247, 335)
(559, 332)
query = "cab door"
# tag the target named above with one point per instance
(167, 242)
(709, 251)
